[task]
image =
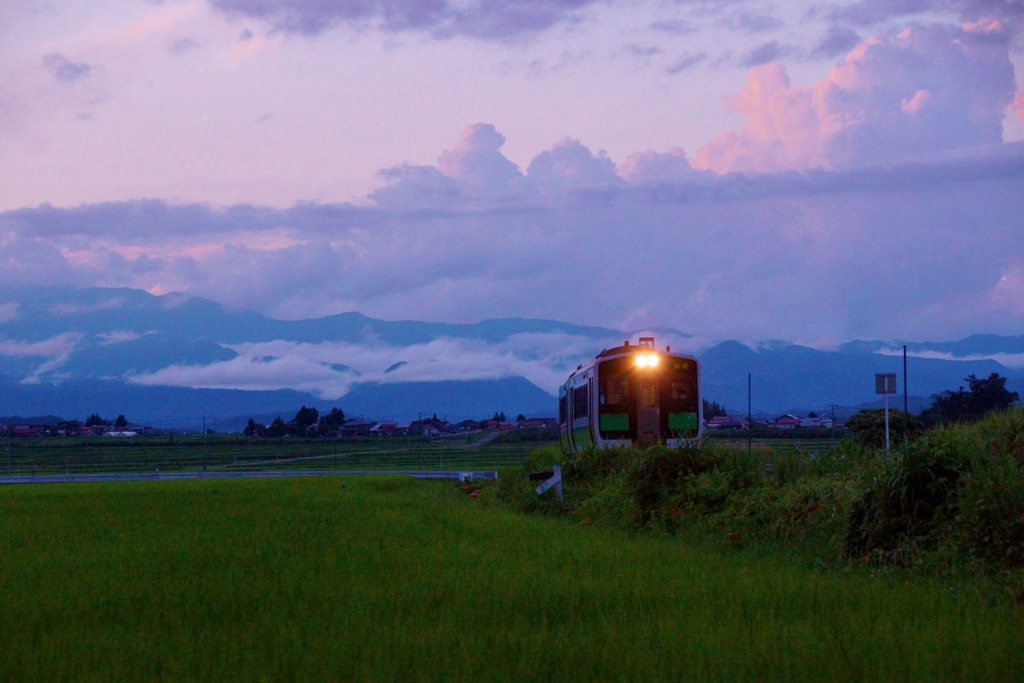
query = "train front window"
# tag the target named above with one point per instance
(679, 399)
(616, 398)
(648, 393)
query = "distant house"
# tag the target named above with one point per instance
(385, 429)
(538, 422)
(357, 428)
(25, 430)
(423, 428)
(786, 421)
(726, 422)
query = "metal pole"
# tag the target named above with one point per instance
(906, 401)
(750, 418)
(887, 421)
(204, 442)
(833, 407)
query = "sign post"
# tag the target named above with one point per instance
(551, 479)
(886, 384)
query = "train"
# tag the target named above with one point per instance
(632, 394)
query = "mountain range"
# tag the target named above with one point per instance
(73, 352)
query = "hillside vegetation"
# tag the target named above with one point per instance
(949, 503)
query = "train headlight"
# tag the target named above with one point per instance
(641, 361)
(652, 360)
(648, 361)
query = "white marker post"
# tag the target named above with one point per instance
(555, 480)
(886, 384)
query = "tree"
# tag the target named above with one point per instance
(520, 417)
(254, 428)
(712, 409)
(982, 396)
(121, 423)
(95, 420)
(306, 417)
(812, 414)
(332, 421)
(277, 428)
(499, 417)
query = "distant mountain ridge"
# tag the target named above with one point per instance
(77, 351)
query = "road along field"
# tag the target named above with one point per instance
(386, 578)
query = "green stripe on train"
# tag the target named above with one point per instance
(614, 422)
(678, 422)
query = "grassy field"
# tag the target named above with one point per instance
(234, 452)
(394, 579)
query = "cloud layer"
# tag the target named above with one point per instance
(879, 202)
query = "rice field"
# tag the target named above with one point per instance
(227, 453)
(393, 579)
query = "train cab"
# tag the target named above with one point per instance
(632, 394)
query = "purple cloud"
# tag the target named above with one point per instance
(63, 69)
(836, 41)
(871, 12)
(488, 19)
(687, 61)
(767, 52)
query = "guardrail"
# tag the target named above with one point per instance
(168, 476)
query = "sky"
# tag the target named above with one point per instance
(810, 171)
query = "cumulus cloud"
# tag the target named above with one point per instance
(928, 89)
(569, 165)
(443, 18)
(63, 69)
(478, 163)
(650, 167)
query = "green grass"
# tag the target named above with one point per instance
(233, 452)
(396, 579)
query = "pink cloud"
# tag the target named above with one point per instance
(477, 160)
(1018, 105)
(927, 89)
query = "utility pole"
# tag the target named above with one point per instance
(750, 418)
(7, 432)
(906, 403)
(833, 407)
(204, 443)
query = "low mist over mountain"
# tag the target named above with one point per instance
(77, 351)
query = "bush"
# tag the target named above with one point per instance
(954, 497)
(868, 427)
(957, 487)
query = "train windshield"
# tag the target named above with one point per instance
(679, 398)
(616, 400)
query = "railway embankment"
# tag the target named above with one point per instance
(950, 502)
